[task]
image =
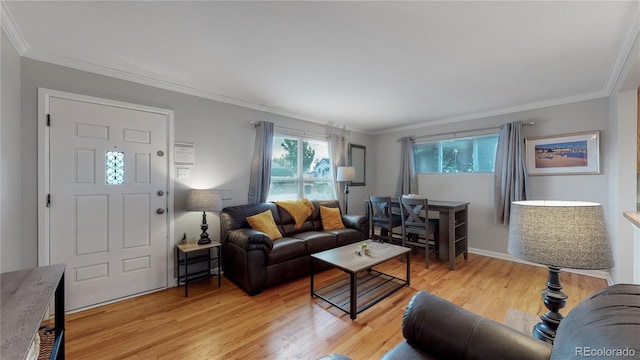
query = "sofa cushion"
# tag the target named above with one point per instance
(405, 350)
(448, 331)
(346, 236)
(285, 249)
(299, 210)
(331, 218)
(288, 224)
(608, 320)
(317, 240)
(235, 217)
(264, 222)
(316, 218)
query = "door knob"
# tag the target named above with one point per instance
(160, 192)
(160, 211)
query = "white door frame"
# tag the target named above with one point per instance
(44, 95)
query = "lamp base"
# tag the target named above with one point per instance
(346, 197)
(554, 300)
(204, 237)
(204, 241)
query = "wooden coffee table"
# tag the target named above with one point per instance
(364, 287)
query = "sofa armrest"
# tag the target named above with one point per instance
(250, 239)
(446, 330)
(358, 222)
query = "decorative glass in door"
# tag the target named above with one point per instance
(114, 163)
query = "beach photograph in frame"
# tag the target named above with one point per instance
(568, 154)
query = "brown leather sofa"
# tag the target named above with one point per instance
(254, 262)
(604, 325)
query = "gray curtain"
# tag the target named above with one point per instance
(510, 177)
(260, 178)
(407, 183)
(338, 152)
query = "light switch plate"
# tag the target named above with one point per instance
(184, 173)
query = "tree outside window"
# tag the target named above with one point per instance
(472, 154)
(313, 182)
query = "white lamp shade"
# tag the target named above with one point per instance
(203, 200)
(564, 234)
(346, 173)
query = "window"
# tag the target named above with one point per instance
(300, 171)
(472, 154)
(114, 168)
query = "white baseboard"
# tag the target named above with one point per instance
(593, 273)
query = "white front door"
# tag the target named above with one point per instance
(108, 191)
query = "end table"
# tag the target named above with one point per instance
(191, 247)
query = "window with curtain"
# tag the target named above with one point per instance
(471, 154)
(300, 168)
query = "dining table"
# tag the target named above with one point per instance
(452, 230)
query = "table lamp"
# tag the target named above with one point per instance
(558, 234)
(346, 174)
(203, 200)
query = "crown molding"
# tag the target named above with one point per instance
(15, 36)
(172, 86)
(9, 27)
(626, 46)
(503, 111)
(138, 78)
(166, 85)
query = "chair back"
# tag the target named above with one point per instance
(410, 211)
(380, 209)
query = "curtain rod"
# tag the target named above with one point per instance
(304, 132)
(530, 123)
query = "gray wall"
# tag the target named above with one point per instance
(221, 133)
(621, 158)
(224, 146)
(478, 188)
(16, 253)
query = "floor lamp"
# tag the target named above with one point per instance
(203, 200)
(346, 174)
(558, 234)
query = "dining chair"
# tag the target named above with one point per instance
(417, 228)
(382, 216)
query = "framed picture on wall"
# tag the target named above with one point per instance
(358, 159)
(568, 154)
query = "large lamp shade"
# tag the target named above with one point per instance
(203, 200)
(346, 173)
(565, 234)
(558, 234)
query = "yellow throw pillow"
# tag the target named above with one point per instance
(331, 218)
(264, 222)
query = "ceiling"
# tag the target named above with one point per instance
(373, 67)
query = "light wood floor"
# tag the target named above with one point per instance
(284, 322)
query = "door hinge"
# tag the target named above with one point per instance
(48, 119)
(48, 200)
